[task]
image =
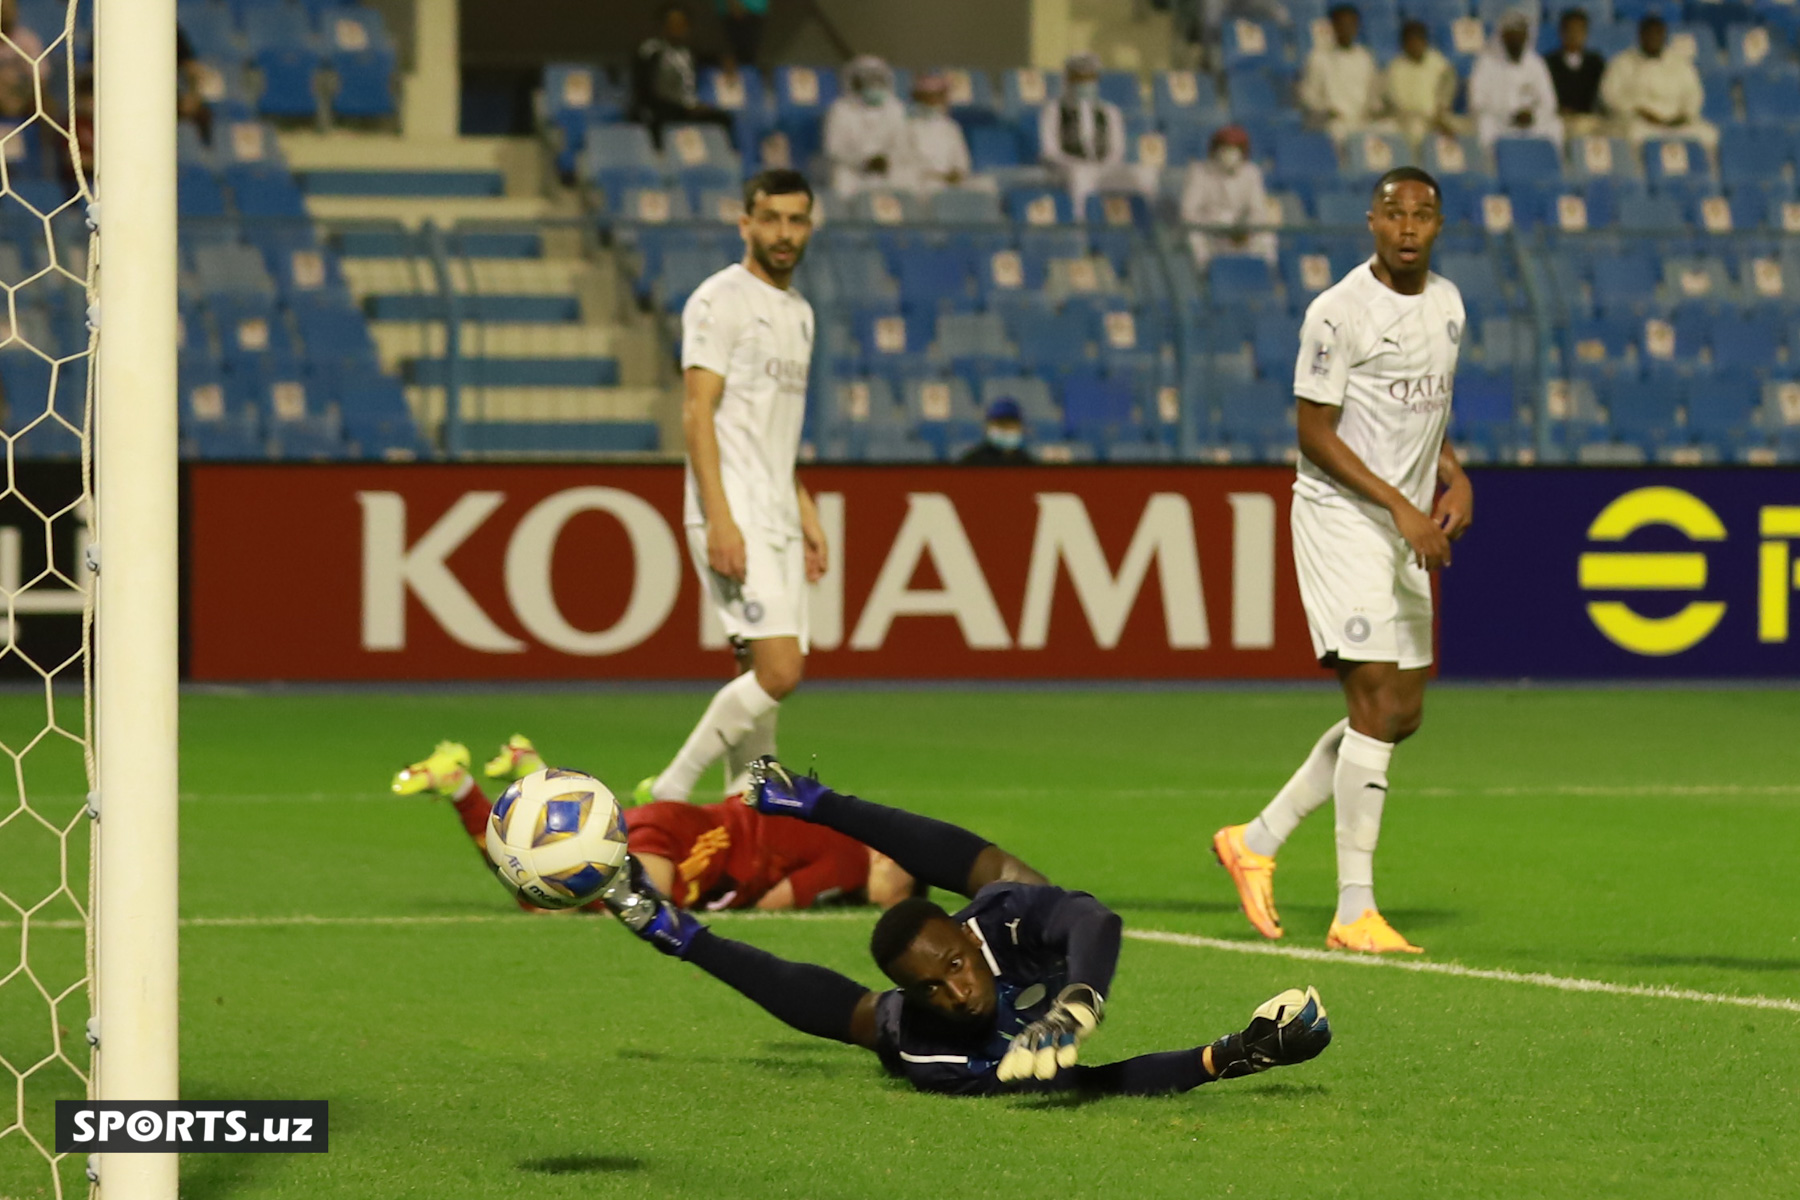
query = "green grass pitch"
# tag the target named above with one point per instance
(1635, 837)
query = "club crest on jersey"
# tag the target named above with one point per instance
(1357, 629)
(753, 611)
(1455, 332)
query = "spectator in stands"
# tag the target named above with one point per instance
(1510, 93)
(1576, 72)
(1654, 93)
(937, 151)
(1340, 88)
(1003, 440)
(1082, 138)
(1421, 86)
(866, 135)
(1226, 193)
(1203, 21)
(22, 63)
(743, 30)
(190, 87)
(663, 88)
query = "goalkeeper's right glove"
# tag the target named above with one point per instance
(1287, 1029)
(633, 899)
(1053, 1041)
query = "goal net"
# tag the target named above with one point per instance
(46, 349)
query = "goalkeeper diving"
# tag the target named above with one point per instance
(995, 998)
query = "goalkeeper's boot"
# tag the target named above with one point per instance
(444, 772)
(517, 759)
(1286, 1029)
(1369, 934)
(1254, 876)
(777, 792)
(633, 899)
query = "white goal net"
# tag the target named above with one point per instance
(46, 349)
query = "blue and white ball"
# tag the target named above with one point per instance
(556, 837)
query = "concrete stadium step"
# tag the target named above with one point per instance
(429, 306)
(397, 243)
(517, 372)
(401, 340)
(539, 405)
(562, 439)
(510, 276)
(432, 184)
(414, 211)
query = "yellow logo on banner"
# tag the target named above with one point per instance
(1662, 571)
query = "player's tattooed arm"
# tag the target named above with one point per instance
(1455, 509)
(1320, 442)
(701, 392)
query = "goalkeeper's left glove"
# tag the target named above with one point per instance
(1053, 1041)
(1287, 1029)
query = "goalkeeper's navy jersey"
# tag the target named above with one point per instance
(1010, 923)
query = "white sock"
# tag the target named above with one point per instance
(728, 720)
(1309, 788)
(1360, 789)
(760, 741)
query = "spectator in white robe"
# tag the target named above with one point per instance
(1341, 87)
(1656, 92)
(1511, 94)
(1083, 139)
(1421, 87)
(938, 153)
(866, 135)
(1225, 192)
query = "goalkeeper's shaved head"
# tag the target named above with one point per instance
(935, 961)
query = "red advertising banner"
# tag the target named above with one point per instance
(471, 571)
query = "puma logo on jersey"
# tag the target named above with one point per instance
(1012, 927)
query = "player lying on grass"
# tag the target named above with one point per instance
(996, 998)
(710, 856)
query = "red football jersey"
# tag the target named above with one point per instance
(728, 855)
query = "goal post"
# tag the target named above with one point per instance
(135, 648)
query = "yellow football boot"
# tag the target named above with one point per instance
(443, 772)
(642, 793)
(517, 759)
(1369, 934)
(1254, 876)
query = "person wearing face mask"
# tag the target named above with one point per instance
(938, 154)
(866, 136)
(1082, 138)
(1510, 92)
(1003, 441)
(1225, 192)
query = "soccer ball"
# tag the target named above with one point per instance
(556, 837)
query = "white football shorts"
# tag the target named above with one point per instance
(772, 600)
(1366, 598)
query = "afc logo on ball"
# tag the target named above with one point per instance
(1682, 571)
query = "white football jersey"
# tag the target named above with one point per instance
(1389, 361)
(760, 338)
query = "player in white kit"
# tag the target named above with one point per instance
(752, 528)
(1378, 500)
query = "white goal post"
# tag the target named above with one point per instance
(136, 649)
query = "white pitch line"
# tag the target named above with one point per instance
(1559, 983)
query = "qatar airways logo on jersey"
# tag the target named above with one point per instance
(789, 374)
(1426, 394)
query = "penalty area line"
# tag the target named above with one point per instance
(1559, 983)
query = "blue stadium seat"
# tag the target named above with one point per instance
(1749, 342)
(1624, 283)
(1121, 88)
(1645, 413)
(353, 29)
(279, 25)
(1674, 160)
(963, 206)
(1526, 161)
(1485, 413)
(740, 94)
(1249, 42)
(1771, 97)
(287, 71)
(1303, 156)
(1275, 345)
(365, 84)
(198, 193)
(1722, 409)
(1095, 409)
(994, 145)
(1253, 92)
(232, 269)
(1052, 343)
(1258, 415)
(1039, 206)
(1651, 214)
(1240, 280)
(932, 278)
(807, 90)
(1450, 158)
(1186, 97)
(1598, 157)
(1025, 90)
(1349, 209)
(1371, 155)
(265, 191)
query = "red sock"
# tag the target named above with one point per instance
(473, 808)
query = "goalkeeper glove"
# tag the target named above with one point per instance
(777, 792)
(1287, 1029)
(1053, 1041)
(633, 899)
